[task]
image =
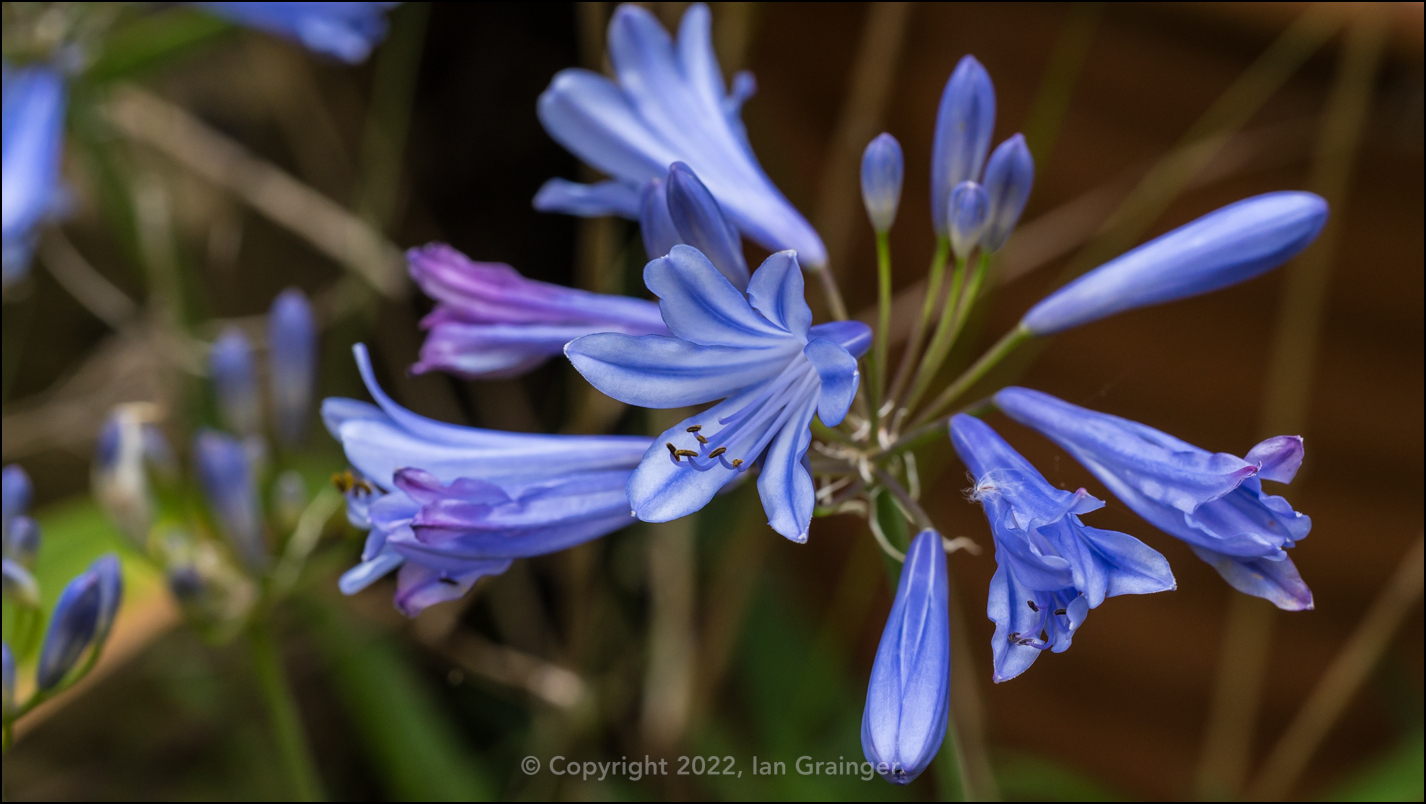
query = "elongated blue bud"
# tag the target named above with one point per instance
(970, 211)
(81, 618)
(292, 359)
(655, 226)
(33, 139)
(226, 473)
(1008, 178)
(964, 124)
(7, 679)
(908, 698)
(15, 493)
(882, 169)
(235, 381)
(700, 223)
(1224, 247)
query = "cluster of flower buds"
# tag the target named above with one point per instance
(79, 620)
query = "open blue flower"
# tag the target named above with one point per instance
(1212, 500)
(31, 143)
(490, 321)
(347, 31)
(758, 353)
(908, 698)
(668, 105)
(1051, 568)
(450, 504)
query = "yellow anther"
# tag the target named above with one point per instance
(694, 428)
(672, 450)
(719, 451)
(687, 453)
(737, 462)
(700, 438)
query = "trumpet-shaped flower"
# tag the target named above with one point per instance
(1227, 246)
(81, 619)
(908, 698)
(1051, 568)
(668, 104)
(31, 142)
(450, 504)
(964, 124)
(347, 31)
(490, 321)
(758, 353)
(292, 363)
(1213, 501)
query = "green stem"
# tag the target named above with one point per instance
(287, 732)
(1007, 344)
(883, 320)
(941, 340)
(935, 277)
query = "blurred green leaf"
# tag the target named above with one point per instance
(409, 737)
(153, 39)
(1394, 777)
(1027, 777)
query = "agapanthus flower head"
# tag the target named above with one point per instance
(227, 475)
(1224, 247)
(292, 363)
(1213, 501)
(450, 504)
(667, 104)
(969, 214)
(1008, 178)
(964, 125)
(81, 619)
(908, 697)
(31, 144)
(758, 353)
(882, 171)
(1051, 568)
(343, 30)
(234, 372)
(490, 321)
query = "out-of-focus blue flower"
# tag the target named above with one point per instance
(1224, 247)
(1050, 568)
(758, 353)
(129, 443)
(908, 698)
(81, 619)
(226, 473)
(31, 143)
(970, 211)
(668, 105)
(7, 680)
(235, 381)
(347, 31)
(882, 169)
(292, 363)
(964, 123)
(15, 494)
(1008, 178)
(18, 584)
(21, 538)
(450, 504)
(490, 321)
(22, 543)
(1213, 501)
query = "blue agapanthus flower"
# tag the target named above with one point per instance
(760, 354)
(1212, 500)
(347, 31)
(449, 504)
(908, 698)
(668, 104)
(30, 148)
(1051, 568)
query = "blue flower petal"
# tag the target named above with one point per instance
(701, 306)
(1277, 582)
(700, 224)
(603, 198)
(655, 371)
(784, 485)
(777, 291)
(838, 372)
(655, 225)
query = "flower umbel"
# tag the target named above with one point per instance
(1051, 568)
(758, 353)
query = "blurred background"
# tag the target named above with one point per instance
(715, 636)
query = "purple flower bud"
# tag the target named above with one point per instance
(235, 381)
(882, 169)
(964, 124)
(908, 698)
(655, 225)
(701, 224)
(225, 472)
(15, 494)
(292, 359)
(1224, 247)
(7, 680)
(1008, 178)
(32, 144)
(81, 619)
(970, 210)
